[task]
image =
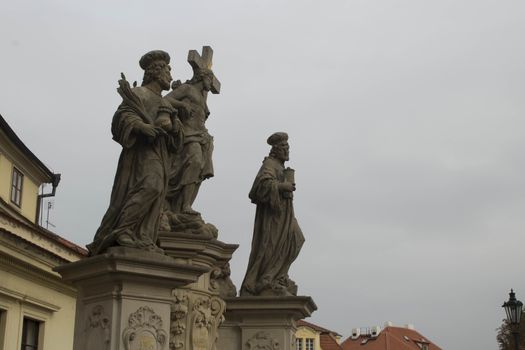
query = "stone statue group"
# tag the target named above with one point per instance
(167, 154)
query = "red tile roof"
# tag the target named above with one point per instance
(328, 342)
(390, 338)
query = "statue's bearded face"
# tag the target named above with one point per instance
(165, 77)
(206, 76)
(160, 72)
(281, 151)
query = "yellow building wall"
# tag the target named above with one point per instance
(29, 189)
(24, 297)
(5, 177)
(305, 332)
(29, 196)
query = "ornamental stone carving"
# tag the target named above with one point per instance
(262, 341)
(144, 331)
(179, 313)
(195, 319)
(97, 329)
(221, 282)
(201, 324)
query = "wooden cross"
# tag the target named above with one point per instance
(204, 62)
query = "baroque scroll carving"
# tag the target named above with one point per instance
(144, 331)
(262, 341)
(179, 313)
(195, 320)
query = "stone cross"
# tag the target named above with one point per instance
(204, 62)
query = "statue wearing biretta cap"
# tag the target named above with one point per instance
(140, 184)
(277, 237)
(276, 138)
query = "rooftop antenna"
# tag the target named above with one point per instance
(50, 205)
(41, 215)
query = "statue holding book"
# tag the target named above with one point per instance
(277, 237)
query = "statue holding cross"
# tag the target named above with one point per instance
(193, 163)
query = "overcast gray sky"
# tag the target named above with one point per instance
(406, 131)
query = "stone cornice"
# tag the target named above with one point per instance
(298, 306)
(30, 272)
(121, 263)
(28, 299)
(196, 249)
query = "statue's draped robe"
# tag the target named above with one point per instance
(277, 238)
(140, 185)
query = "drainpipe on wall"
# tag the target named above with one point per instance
(54, 183)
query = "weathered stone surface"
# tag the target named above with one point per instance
(221, 282)
(121, 283)
(263, 322)
(197, 309)
(277, 237)
(144, 330)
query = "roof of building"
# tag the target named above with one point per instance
(391, 338)
(328, 342)
(21, 220)
(303, 323)
(11, 135)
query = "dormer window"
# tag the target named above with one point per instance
(309, 344)
(16, 187)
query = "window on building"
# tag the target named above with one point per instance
(3, 316)
(30, 333)
(309, 344)
(298, 343)
(16, 187)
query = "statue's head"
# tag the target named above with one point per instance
(280, 148)
(205, 75)
(156, 65)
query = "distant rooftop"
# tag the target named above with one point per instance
(389, 338)
(303, 323)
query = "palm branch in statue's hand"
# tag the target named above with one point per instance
(131, 100)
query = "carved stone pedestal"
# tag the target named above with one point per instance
(125, 298)
(268, 323)
(197, 309)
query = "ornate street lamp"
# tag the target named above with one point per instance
(513, 308)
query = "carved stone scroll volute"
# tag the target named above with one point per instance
(218, 306)
(202, 324)
(144, 331)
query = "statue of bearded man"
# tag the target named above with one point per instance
(145, 125)
(277, 237)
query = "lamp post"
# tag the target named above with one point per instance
(513, 308)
